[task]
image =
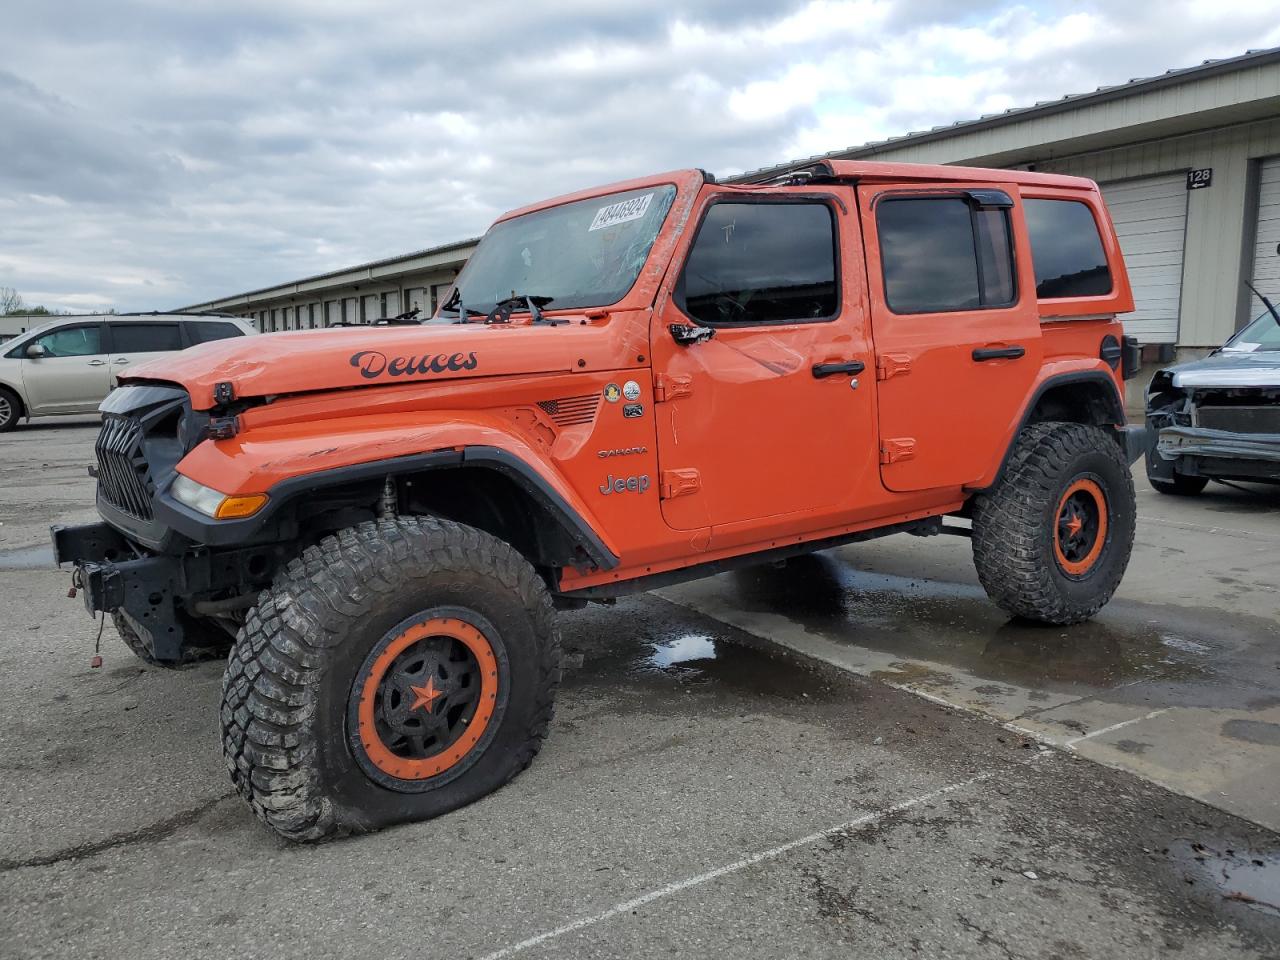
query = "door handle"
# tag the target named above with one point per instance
(850, 367)
(121, 360)
(998, 353)
(97, 363)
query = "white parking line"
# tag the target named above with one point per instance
(679, 885)
(1115, 726)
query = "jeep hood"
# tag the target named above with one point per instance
(310, 360)
(1230, 369)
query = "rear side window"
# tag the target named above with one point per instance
(762, 263)
(943, 254)
(1067, 249)
(204, 332)
(145, 337)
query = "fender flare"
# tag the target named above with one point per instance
(216, 533)
(1052, 382)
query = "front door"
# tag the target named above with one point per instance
(771, 416)
(72, 375)
(957, 338)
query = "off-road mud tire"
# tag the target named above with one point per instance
(1179, 486)
(205, 641)
(10, 409)
(287, 734)
(1015, 524)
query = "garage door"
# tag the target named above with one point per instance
(1151, 221)
(1266, 251)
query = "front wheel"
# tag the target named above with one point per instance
(1052, 539)
(394, 672)
(10, 409)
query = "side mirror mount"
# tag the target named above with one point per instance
(35, 351)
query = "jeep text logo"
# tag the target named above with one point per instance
(624, 484)
(373, 364)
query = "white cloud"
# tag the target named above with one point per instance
(158, 154)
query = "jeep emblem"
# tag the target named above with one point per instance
(625, 484)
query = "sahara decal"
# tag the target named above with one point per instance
(624, 484)
(620, 452)
(374, 364)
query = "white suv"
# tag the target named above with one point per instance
(69, 365)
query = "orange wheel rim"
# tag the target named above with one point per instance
(1080, 527)
(427, 699)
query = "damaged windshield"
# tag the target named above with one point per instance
(582, 254)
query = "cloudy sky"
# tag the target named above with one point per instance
(155, 154)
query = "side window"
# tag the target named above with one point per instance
(1067, 249)
(943, 254)
(72, 342)
(204, 332)
(145, 337)
(762, 263)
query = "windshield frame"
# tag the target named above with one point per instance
(643, 287)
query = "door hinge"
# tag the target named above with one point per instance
(667, 387)
(677, 483)
(897, 449)
(889, 365)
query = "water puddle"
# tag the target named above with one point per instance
(38, 557)
(1233, 874)
(698, 658)
(955, 624)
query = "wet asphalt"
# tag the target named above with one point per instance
(704, 791)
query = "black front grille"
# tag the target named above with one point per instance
(1241, 419)
(124, 479)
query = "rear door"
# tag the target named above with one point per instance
(133, 342)
(957, 337)
(72, 376)
(764, 419)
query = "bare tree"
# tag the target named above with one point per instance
(10, 301)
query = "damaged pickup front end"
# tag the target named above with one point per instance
(1217, 418)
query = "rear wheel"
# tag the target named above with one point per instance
(1052, 539)
(10, 409)
(394, 672)
(1179, 486)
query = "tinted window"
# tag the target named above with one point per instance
(204, 332)
(762, 263)
(1066, 249)
(145, 337)
(72, 342)
(944, 253)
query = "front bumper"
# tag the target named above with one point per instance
(1204, 452)
(159, 594)
(1137, 441)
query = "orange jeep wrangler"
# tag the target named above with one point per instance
(628, 386)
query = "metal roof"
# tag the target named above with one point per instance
(1070, 101)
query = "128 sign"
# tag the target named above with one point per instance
(1199, 179)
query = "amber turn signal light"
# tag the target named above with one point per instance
(241, 506)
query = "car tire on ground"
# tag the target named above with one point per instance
(10, 409)
(1179, 486)
(395, 671)
(205, 641)
(1052, 538)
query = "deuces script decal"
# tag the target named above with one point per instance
(373, 364)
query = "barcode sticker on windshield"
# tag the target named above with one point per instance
(621, 212)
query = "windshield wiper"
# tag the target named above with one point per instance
(502, 310)
(455, 303)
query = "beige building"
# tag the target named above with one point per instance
(1189, 162)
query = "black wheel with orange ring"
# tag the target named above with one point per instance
(1052, 538)
(394, 672)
